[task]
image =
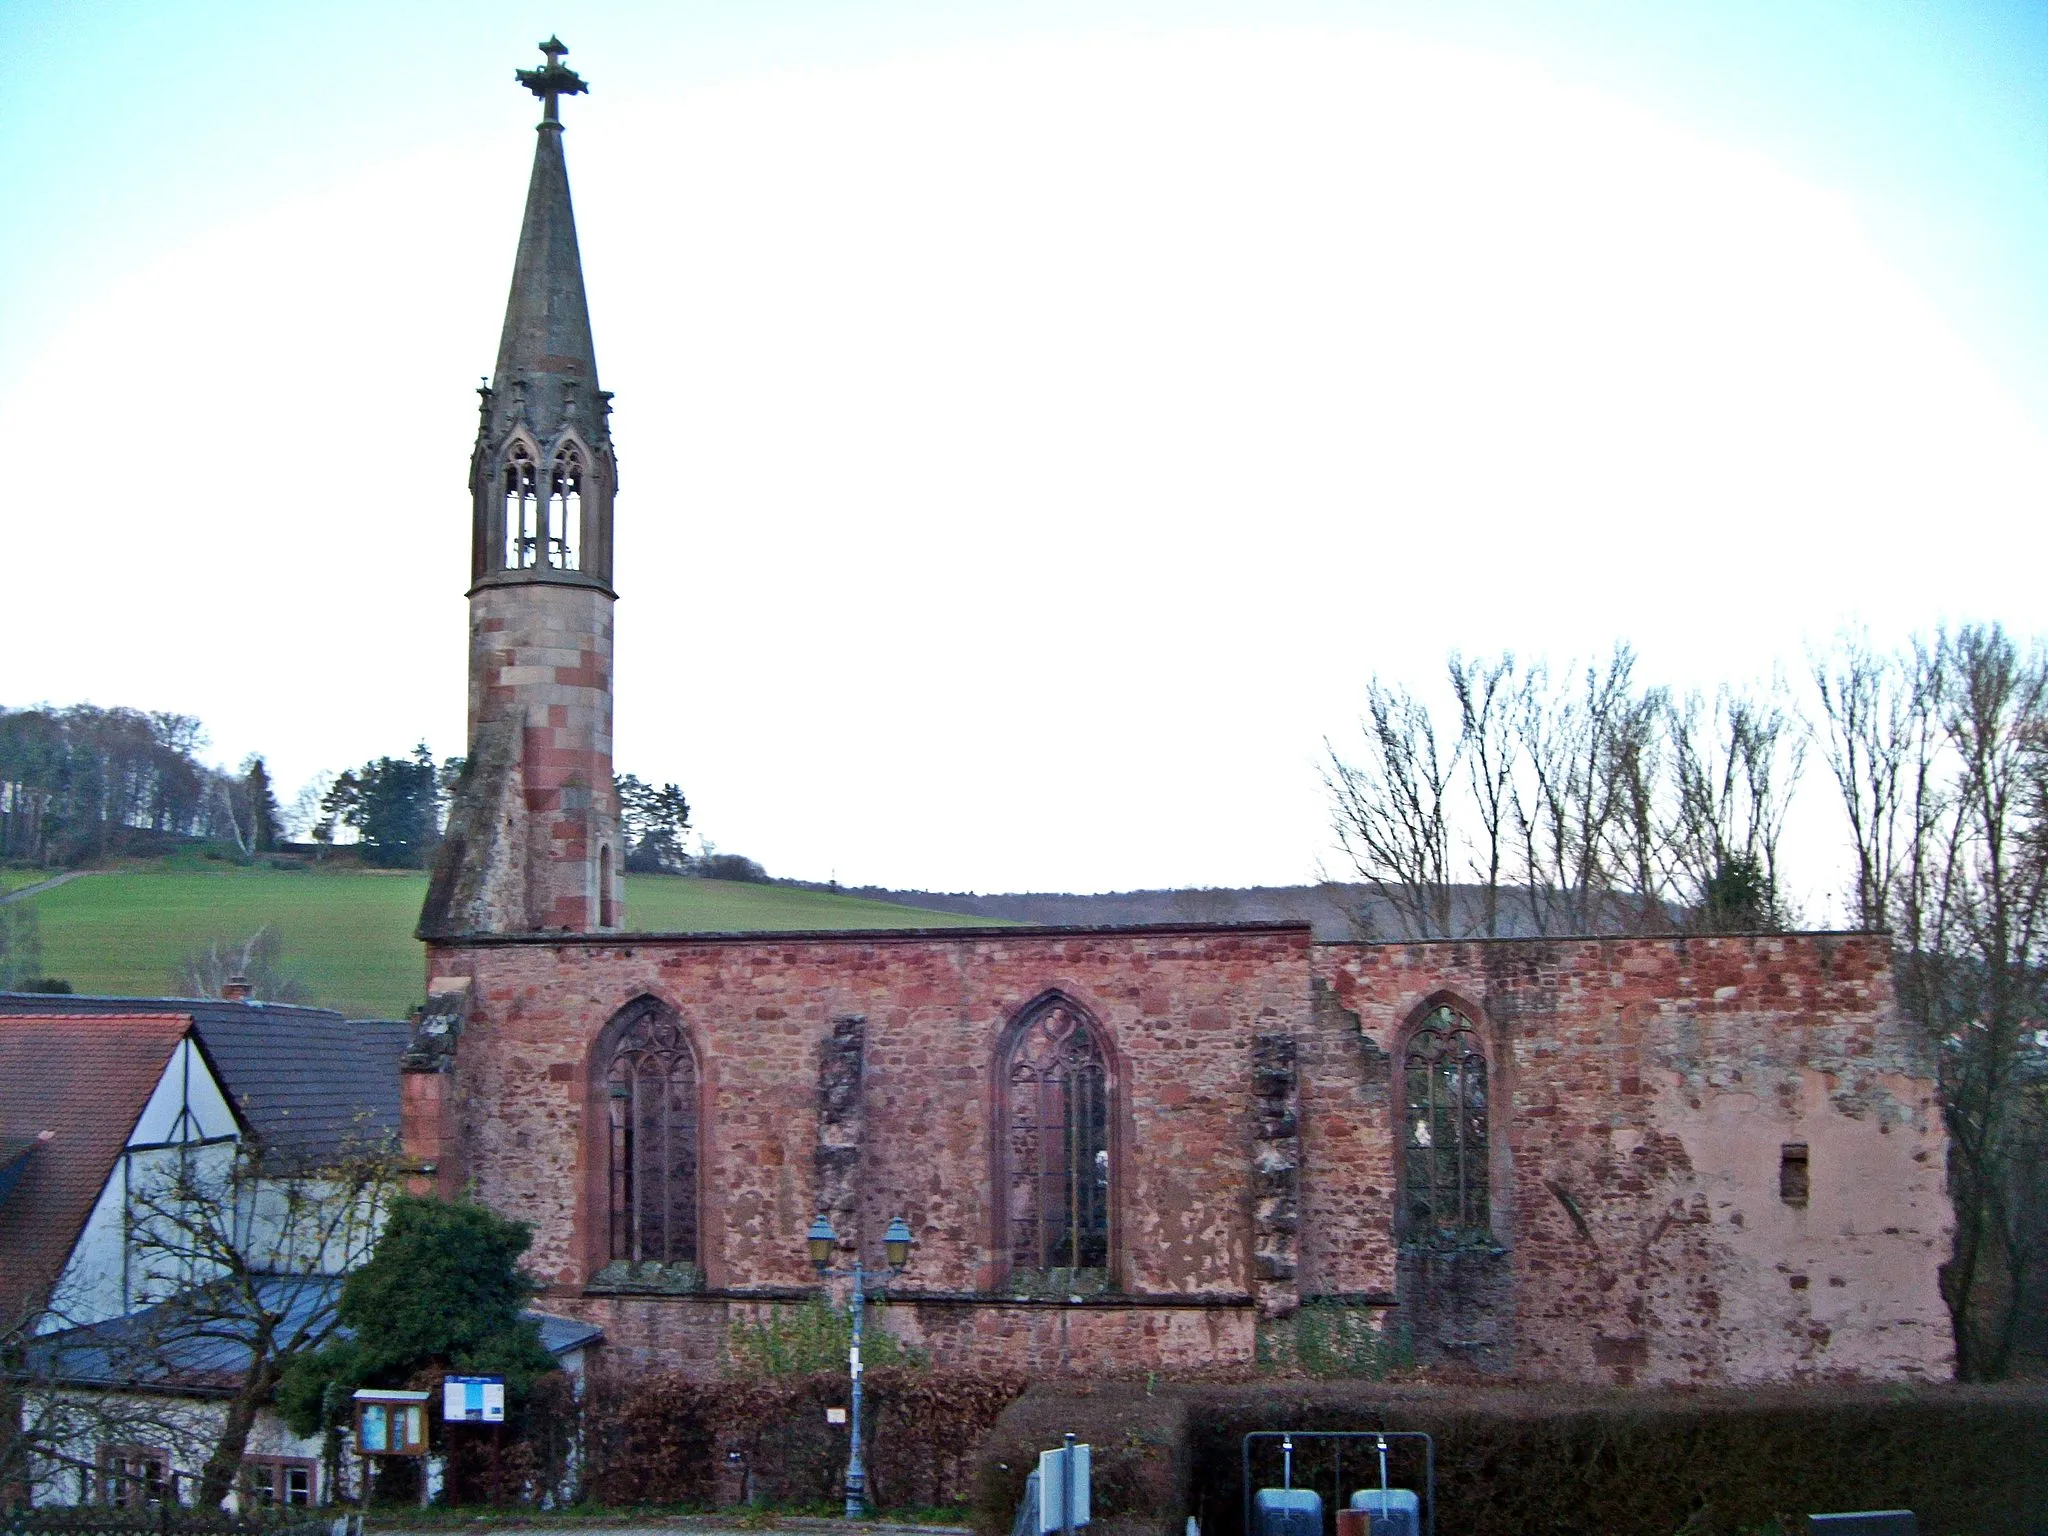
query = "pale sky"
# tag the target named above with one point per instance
(1035, 423)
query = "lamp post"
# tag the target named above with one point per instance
(896, 1248)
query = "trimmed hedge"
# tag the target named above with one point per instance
(1140, 1442)
(663, 1438)
(1971, 1461)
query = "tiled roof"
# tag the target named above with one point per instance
(312, 1084)
(169, 1346)
(84, 1079)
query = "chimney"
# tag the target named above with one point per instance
(236, 989)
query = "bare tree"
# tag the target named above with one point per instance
(1390, 810)
(46, 1418)
(1586, 809)
(1941, 757)
(257, 960)
(1490, 699)
(1734, 765)
(250, 1251)
(1878, 724)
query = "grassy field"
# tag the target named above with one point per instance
(348, 933)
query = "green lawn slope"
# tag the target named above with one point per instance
(348, 932)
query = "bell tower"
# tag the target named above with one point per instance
(533, 837)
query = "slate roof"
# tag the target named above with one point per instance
(311, 1084)
(86, 1080)
(166, 1349)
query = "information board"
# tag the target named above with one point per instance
(473, 1399)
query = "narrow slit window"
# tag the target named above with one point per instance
(1794, 1177)
(522, 511)
(565, 511)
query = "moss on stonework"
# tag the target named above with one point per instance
(1329, 1337)
(1058, 1284)
(649, 1279)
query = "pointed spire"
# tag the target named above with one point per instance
(546, 376)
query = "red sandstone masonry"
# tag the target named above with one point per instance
(1179, 1009)
(1654, 1082)
(1651, 1081)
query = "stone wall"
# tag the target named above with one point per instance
(1644, 1097)
(786, 1073)
(1647, 1095)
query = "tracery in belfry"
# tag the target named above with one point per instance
(522, 509)
(565, 510)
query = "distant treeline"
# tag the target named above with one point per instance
(80, 782)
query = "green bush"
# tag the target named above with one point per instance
(814, 1336)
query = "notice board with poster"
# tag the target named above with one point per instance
(473, 1399)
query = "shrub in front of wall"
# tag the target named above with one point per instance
(664, 1438)
(1708, 1463)
(649, 1437)
(1138, 1437)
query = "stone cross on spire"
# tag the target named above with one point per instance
(554, 81)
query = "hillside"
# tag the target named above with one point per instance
(348, 932)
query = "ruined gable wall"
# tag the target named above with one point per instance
(1645, 1088)
(1183, 1011)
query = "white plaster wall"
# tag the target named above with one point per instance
(100, 1278)
(308, 1226)
(184, 1428)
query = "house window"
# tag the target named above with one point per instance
(277, 1480)
(1055, 1139)
(522, 510)
(565, 511)
(651, 1084)
(133, 1476)
(1444, 1134)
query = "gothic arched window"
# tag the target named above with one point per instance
(651, 1086)
(1444, 1133)
(522, 510)
(1055, 1142)
(565, 511)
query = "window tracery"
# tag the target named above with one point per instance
(522, 512)
(565, 511)
(1444, 1133)
(1057, 1115)
(651, 1084)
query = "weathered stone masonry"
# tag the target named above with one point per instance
(1643, 1091)
(1700, 1160)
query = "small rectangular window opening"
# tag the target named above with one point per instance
(1793, 1180)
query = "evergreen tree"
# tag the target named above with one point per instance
(394, 805)
(262, 806)
(443, 1291)
(653, 822)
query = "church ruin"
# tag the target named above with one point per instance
(1620, 1160)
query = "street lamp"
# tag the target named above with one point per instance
(821, 1240)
